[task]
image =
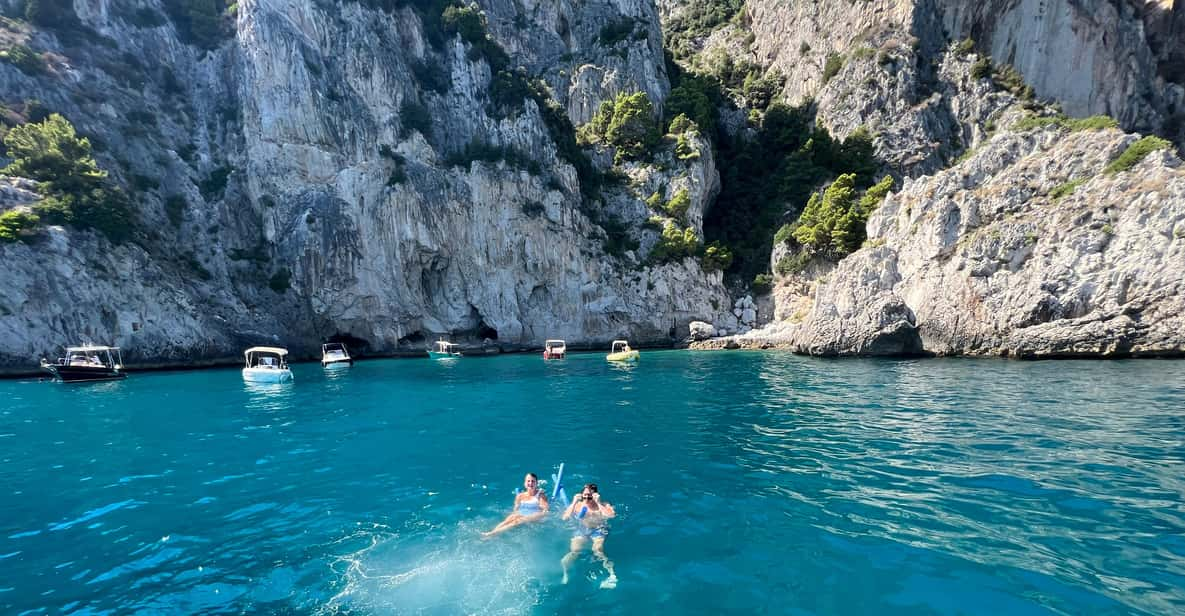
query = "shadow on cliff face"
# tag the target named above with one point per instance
(357, 346)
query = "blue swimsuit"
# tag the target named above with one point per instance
(599, 532)
(530, 506)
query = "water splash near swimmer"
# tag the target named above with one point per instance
(438, 567)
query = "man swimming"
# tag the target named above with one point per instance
(592, 517)
(529, 506)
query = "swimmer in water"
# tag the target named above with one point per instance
(592, 517)
(529, 506)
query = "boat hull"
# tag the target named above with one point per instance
(337, 363)
(84, 374)
(267, 375)
(439, 355)
(623, 356)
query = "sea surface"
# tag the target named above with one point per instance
(745, 482)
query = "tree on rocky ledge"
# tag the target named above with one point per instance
(835, 221)
(75, 190)
(627, 123)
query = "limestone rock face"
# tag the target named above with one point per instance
(920, 120)
(701, 331)
(1092, 56)
(991, 257)
(320, 150)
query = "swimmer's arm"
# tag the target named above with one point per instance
(607, 510)
(568, 511)
(543, 504)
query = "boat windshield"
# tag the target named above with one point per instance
(85, 359)
(268, 361)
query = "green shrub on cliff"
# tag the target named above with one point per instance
(674, 243)
(626, 123)
(697, 19)
(832, 66)
(75, 190)
(1136, 153)
(678, 205)
(762, 283)
(784, 234)
(716, 256)
(15, 224)
(834, 222)
(25, 59)
(1066, 189)
(982, 68)
(1096, 122)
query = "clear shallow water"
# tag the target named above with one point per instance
(744, 481)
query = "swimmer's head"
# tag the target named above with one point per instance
(531, 481)
(588, 491)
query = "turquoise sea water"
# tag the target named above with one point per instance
(745, 482)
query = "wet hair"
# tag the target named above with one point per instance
(590, 486)
(533, 476)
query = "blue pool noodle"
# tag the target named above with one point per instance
(557, 491)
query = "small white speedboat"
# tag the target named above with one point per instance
(267, 365)
(555, 349)
(335, 355)
(445, 350)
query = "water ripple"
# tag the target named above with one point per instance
(743, 481)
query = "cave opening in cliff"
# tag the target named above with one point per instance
(355, 344)
(485, 332)
(414, 339)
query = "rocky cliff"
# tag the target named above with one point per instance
(1014, 233)
(1030, 248)
(1091, 56)
(339, 169)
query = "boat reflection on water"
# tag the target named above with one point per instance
(268, 396)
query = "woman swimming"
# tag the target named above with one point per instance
(529, 506)
(592, 517)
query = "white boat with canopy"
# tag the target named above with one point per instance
(267, 365)
(445, 350)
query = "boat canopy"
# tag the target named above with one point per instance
(273, 350)
(620, 345)
(551, 343)
(90, 348)
(332, 346)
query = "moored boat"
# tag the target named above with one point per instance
(444, 350)
(335, 354)
(267, 365)
(621, 351)
(554, 349)
(87, 364)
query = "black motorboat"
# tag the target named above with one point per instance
(87, 364)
